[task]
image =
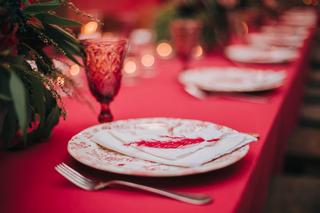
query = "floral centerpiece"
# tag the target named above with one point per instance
(210, 13)
(30, 105)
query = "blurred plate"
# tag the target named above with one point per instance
(233, 79)
(273, 39)
(280, 30)
(252, 54)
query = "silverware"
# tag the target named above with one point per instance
(196, 92)
(92, 185)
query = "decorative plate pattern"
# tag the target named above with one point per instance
(95, 156)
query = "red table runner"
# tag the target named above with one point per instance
(29, 182)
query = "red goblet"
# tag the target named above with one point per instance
(185, 34)
(104, 60)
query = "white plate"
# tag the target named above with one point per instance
(233, 79)
(251, 54)
(280, 30)
(299, 20)
(272, 39)
(95, 156)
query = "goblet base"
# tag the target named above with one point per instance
(105, 114)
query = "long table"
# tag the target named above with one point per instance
(29, 182)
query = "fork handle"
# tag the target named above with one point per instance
(196, 199)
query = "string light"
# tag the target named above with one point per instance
(74, 70)
(60, 81)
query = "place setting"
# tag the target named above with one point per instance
(264, 39)
(149, 106)
(157, 147)
(146, 147)
(235, 83)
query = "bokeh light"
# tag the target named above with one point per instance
(89, 28)
(74, 70)
(147, 60)
(198, 52)
(130, 66)
(164, 49)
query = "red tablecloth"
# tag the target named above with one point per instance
(29, 182)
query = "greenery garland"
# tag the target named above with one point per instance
(30, 105)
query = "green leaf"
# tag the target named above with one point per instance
(4, 85)
(69, 52)
(18, 94)
(60, 34)
(70, 47)
(4, 97)
(9, 129)
(37, 99)
(52, 120)
(65, 41)
(42, 60)
(53, 19)
(26, 2)
(41, 7)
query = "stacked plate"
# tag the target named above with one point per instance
(159, 146)
(300, 17)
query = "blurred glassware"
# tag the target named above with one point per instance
(240, 24)
(130, 70)
(142, 48)
(185, 35)
(197, 52)
(103, 67)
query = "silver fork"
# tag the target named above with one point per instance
(92, 185)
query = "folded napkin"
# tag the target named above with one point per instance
(171, 147)
(178, 148)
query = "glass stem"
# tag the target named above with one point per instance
(185, 60)
(105, 113)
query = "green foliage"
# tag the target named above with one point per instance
(33, 9)
(30, 105)
(212, 16)
(53, 19)
(18, 94)
(161, 25)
